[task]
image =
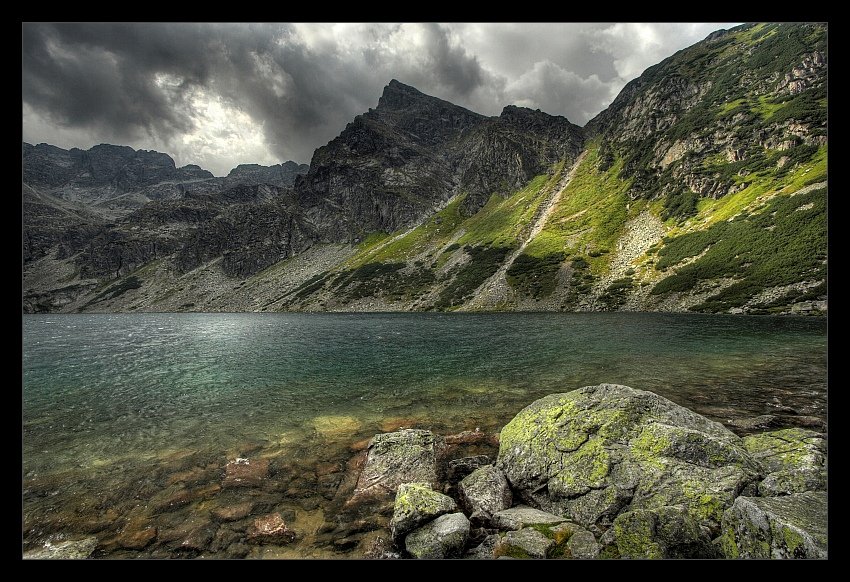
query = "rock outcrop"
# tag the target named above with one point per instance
(590, 453)
(792, 526)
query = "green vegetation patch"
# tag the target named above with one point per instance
(501, 222)
(590, 215)
(783, 244)
(483, 263)
(126, 284)
(616, 293)
(535, 276)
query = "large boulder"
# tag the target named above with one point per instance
(792, 526)
(590, 453)
(793, 458)
(444, 537)
(484, 492)
(416, 504)
(398, 457)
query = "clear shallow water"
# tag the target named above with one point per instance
(106, 397)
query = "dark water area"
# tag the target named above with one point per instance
(130, 420)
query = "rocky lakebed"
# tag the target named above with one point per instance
(602, 472)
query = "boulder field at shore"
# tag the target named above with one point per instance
(601, 472)
(604, 471)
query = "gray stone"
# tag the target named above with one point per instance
(484, 492)
(522, 516)
(484, 550)
(416, 504)
(444, 537)
(794, 460)
(524, 543)
(583, 546)
(590, 453)
(792, 481)
(459, 468)
(664, 532)
(67, 550)
(792, 526)
(406, 456)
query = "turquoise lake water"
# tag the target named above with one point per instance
(107, 398)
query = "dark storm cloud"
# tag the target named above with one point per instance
(182, 87)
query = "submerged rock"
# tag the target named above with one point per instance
(792, 526)
(590, 453)
(793, 458)
(269, 529)
(67, 550)
(242, 472)
(444, 537)
(233, 512)
(484, 492)
(398, 457)
(416, 504)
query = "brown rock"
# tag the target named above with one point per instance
(395, 423)
(233, 512)
(472, 437)
(192, 475)
(360, 445)
(136, 539)
(270, 529)
(243, 472)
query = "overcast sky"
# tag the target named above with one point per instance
(218, 95)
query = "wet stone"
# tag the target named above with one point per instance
(232, 512)
(244, 472)
(270, 529)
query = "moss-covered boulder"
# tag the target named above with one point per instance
(443, 537)
(792, 526)
(590, 453)
(663, 532)
(394, 458)
(526, 543)
(794, 460)
(416, 504)
(484, 492)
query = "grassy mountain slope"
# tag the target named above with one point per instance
(702, 187)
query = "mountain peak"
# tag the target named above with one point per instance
(397, 95)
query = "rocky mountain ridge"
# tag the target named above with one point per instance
(702, 187)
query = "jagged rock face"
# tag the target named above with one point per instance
(103, 170)
(105, 174)
(250, 227)
(722, 94)
(393, 165)
(504, 154)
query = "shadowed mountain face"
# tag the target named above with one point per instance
(702, 186)
(393, 166)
